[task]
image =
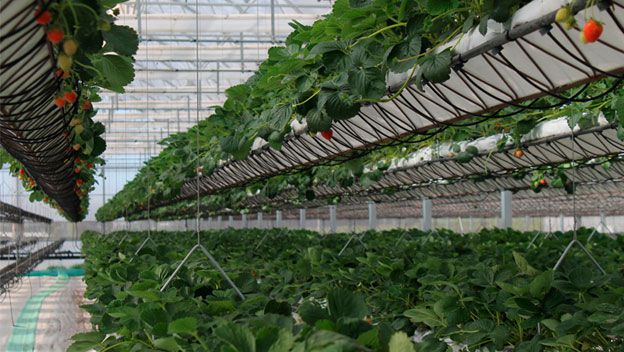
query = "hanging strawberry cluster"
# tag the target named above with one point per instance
(91, 53)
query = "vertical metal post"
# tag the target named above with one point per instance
(506, 214)
(278, 218)
(103, 196)
(260, 220)
(244, 220)
(561, 222)
(332, 219)
(219, 221)
(426, 214)
(210, 222)
(372, 215)
(302, 218)
(230, 221)
(273, 20)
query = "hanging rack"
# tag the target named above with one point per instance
(574, 224)
(198, 172)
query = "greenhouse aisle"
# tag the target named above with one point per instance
(45, 320)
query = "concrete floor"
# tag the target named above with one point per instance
(52, 316)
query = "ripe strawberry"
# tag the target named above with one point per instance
(79, 182)
(86, 105)
(327, 134)
(43, 18)
(55, 35)
(58, 72)
(70, 96)
(59, 102)
(22, 172)
(77, 159)
(77, 170)
(90, 166)
(592, 31)
(519, 153)
(70, 47)
(543, 182)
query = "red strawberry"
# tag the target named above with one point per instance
(519, 153)
(22, 172)
(327, 134)
(70, 97)
(542, 182)
(59, 102)
(79, 182)
(86, 105)
(592, 31)
(58, 72)
(77, 170)
(43, 18)
(90, 166)
(55, 35)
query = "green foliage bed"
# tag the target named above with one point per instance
(484, 291)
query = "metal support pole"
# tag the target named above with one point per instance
(302, 218)
(260, 220)
(230, 221)
(506, 214)
(332, 219)
(426, 214)
(219, 221)
(244, 220)
(210, 222)
(372, 215)
(561, 222)
(278, 218)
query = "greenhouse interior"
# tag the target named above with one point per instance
(312, 175)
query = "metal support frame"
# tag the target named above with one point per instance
(230, 221)
(506, 210)
(603, 223)
(259, 220)
(426, 214)
(332, 219)
(219, 221)
(214, 263)
(353, 236)
(244, 222)
(567, 250)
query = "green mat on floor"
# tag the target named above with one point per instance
(22, 338)
(54, 271)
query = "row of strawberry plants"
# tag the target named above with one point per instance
(91, 52)
(325, 72)
(483, 291)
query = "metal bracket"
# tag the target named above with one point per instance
(214, 264)
(567, 250)
(354, 235)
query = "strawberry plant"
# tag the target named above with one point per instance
(89, 57)
(484, 291)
